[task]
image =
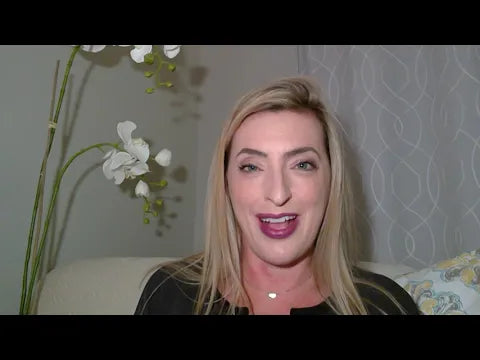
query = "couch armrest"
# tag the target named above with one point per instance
(96, 286)
(389, 270)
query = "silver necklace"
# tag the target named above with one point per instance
(272, 295)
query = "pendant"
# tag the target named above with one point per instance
(272, 295)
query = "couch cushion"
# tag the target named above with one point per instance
(450, 287)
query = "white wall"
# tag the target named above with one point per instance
(94, 216)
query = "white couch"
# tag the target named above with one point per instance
(112, 285)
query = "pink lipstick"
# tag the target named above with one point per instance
(278, 226)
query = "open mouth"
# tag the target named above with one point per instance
(278, 226)
(280, 220)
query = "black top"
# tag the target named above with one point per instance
(166, 295)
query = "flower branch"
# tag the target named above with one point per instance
(40, 189)
(123, 162)
(51, 206)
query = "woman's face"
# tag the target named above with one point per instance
(278, 179)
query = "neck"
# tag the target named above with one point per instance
(272, 278)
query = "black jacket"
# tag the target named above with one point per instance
(166, 295)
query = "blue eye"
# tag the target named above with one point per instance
(248, 168)
(305, 165)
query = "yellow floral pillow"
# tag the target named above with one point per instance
(450, 287)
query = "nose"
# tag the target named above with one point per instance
(277, 188)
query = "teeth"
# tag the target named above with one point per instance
(279, 220)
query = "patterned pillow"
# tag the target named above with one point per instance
(450, 287)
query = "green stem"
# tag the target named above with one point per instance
(29, 244)
(45, 155)
(62, 91)
(157, 71)
(38, 258)
(161, 183)
(43, 168)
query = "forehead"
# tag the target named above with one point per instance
(281, 129)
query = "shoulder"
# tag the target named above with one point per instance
(165, 294)
(383, 295)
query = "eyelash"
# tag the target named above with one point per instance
(248, 168)
(309, 163)
(252, 168)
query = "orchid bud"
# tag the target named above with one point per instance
(149, 58)
(142, 190)
(164, 157)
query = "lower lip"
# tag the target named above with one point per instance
(283, 233)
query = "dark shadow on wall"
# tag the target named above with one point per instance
(55, 244)
(108, 57)
(188, 94)
(67, 124)
(156, 174)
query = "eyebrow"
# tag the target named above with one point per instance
(288, 154)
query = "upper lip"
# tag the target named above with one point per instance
(275, 216)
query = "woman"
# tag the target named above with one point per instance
(280, 231)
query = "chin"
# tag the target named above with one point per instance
(284, 260)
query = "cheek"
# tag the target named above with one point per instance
(312, 198)
(312, 192)
(242, 193)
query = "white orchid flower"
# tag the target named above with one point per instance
(142, 190)
(171, 51)
(130, 163)
(164, 157)
(93, 48)
(110, 153)
(107, 171)
(137, 146)
(123, 166)
(139, 52)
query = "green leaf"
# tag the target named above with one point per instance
(146, 220)
(149, 90)
(172, 67)
(148, 74)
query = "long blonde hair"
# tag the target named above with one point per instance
(218, 267)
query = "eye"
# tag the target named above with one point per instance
(248, 168)
(306, 165)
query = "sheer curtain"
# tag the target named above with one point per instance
(411, 116)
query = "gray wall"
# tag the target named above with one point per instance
(94, 217)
